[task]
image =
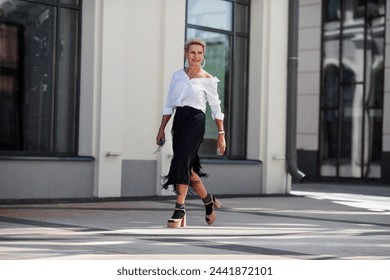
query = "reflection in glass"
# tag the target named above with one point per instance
(332, 10)
(330, 88)
(351, 131)
(210, 13)
(373, 144)
(374, 97)
(329, 151)
(330, 65)
(42, 109)
(238, 100)
(353, 42)
(10, 74)
(352, 89)
(39, 44)
(67, 82)
(375, 59)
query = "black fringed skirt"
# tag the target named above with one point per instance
(187, 135)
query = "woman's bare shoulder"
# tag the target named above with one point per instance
(207, 74)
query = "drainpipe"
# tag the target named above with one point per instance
(291, 138)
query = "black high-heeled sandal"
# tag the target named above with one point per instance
(210, 216)
(178, 218)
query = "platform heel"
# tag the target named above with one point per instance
(178, 218)
(210, 216)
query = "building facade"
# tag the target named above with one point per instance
(83, 84)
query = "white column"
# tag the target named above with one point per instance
(109, 113)
(273, 96)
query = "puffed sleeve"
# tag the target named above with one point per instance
(176, 89)
(168, 109)
(213, 99)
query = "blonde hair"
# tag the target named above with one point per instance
(195, 41)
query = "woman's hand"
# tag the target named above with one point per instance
(160, 136)
(221, 144)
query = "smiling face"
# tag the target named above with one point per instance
(195, 55)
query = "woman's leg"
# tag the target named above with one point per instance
(198, 186)
(179, 215)
(181, 193)
(209, 201)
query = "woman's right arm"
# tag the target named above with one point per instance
(168, 109)
(161, 132)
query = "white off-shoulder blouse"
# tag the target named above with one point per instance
(195, 93)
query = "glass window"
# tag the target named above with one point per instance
(38, 78)
(226, 58)
(332, 10)
(10, 77)
(352, 88)
(238, 97)
(67, 81)
(329, 136)
(210, 13)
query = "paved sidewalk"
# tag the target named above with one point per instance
(316, 222)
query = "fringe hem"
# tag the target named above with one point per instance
(197, 168)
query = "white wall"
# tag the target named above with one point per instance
(143, 81)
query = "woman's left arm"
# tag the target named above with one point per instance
(221, 144)
(214, 102)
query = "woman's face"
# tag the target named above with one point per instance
(195, 55)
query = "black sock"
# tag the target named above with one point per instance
(207, 198)
(208, 205)
(180, 205)
(178, 214)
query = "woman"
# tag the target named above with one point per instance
(188, 93)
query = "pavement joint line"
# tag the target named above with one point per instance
(230, 247)
(316, 219)
(44, 224)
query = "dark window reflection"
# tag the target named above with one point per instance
(352, 88)
(332, 10)
(330, 87)
(38, 74)
(10, 83)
